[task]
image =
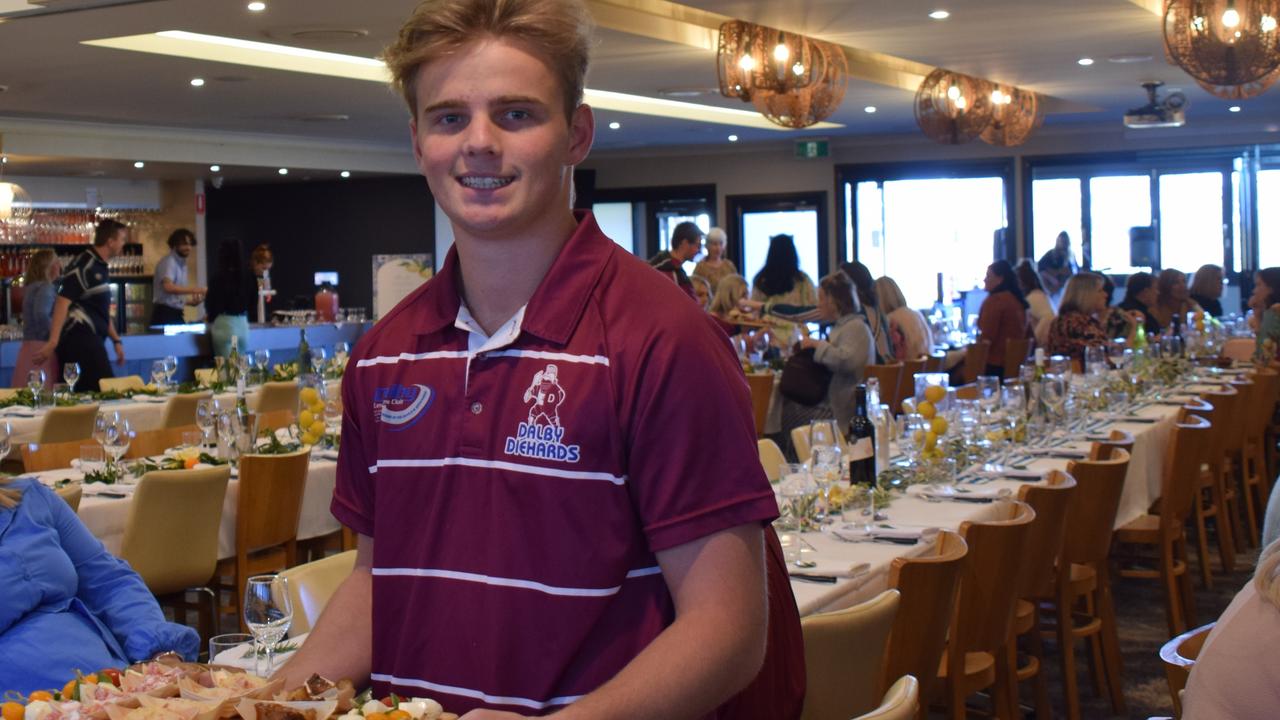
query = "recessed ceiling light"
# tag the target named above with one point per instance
(197, 82)
(283, 171)
(615, 125)
(345, 174)
(1234, 108)
(939, 14)
(1128, 58)
(1085, 61)
(256, 6)
(733, 138)
(215, 168)
(139, 164)
(869, 109)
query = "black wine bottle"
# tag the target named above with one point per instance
(862, 448)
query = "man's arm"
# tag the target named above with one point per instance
(61, 306)
(713, 649)
(340, 645)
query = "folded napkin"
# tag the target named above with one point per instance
(156, 399)
(859, 532)
(1121, 417)
(241, 656)
(1002, 471)
(830, 569)
(96, 488)
(961, 494)
(1058, 452)
(18, 411)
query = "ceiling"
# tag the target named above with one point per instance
(110, 106)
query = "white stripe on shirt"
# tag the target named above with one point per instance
(476, 694)
(511, 582)
(411, 357)
(562, 357)
(498, 465)
(462, 354)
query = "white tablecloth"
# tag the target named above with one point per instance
(1142, 487)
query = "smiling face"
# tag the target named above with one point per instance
(491, 138)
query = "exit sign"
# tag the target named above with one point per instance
(812, 149)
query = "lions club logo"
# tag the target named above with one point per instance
(401, 406)
(541, 435)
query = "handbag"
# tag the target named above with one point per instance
(804, 379)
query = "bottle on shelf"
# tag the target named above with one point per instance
(304, 353)
(862, 450)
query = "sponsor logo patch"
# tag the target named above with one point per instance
(401, 406)
(541, 436)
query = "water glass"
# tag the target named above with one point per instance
(207, 417)
(119, 435)
(192, 438)
(262, 361)
(35, 382)
(170, 368)
(1095, 361)
(71, 373)
(92, 459)
(988, 392)
(268, 613)
(219, 644)
(158, 375)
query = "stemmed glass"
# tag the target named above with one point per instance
(1095, 361)
(228, 424)
(206, 417)
(170, 368)
(1054, 389)
(988, 393)
(159, 376)
(262, 361)
(119, 434)
(100, 424)
(35, 383)
(341, 351)
(6, 439)
(268, 612)
(71, 373)
(318, 357)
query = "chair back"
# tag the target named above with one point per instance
(1117, 440)
(1263, 403)
(907, 383)
(72, 494)
(1219, 403)
(1091, 512)
(800, 443)
(274, 420)
(933, 363)
(67, 423)
(928, 586)
(761, 387)
(175, 509)
(155, 442)
(312, 584)
(975, 360)
(121, 384)
(1015, 353)
(181, 409)
(902, 702)
(889, 376)
(1045, 539)
(277, 396)
(51, 456)
(988, 593)
(1233, 442)
(270, 500)
(842, 656)
(1181, 480)
(1179, 657)
(771, 458)
(967, 392)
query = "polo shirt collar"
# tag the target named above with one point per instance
(556, 306)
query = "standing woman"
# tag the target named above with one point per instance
(714, 267)
(908, 330)
(781, 281)
(846, 353)
(232, 293)
(865, 287)
(1077, 326)
(1206, 289)
(37, 314)
(1003, 315)
(1039, 307)
(1265, 304)
(1173, 301)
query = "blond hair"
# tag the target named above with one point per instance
(888, 295)
(1266, 578)
(1206, 281)
(559, 31)
(38, 266)
(1076, 296)
(729, 291)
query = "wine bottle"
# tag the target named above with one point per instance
(304, 353)
(862, 449)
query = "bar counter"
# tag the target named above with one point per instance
(192, 348)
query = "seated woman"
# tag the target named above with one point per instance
(846, 352)
(1265, 304)
(1003, 315)
(908, 330)
(1173, 301)
(1232, 678)
(1139, 296)
(1039, 306)
(69, 604)
(1076, 326)
(1206, 289)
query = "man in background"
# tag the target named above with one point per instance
(686, 243)
(171, 292)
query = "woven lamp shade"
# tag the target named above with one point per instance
(1014, 117)
(953, 108)
(793, 80)
(814, 103)
(1230, 47)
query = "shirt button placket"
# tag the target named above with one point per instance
(473, 423)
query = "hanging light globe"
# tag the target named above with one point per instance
(15, 213)
(1230, 47)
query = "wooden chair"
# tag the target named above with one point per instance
(181, 409)
(121, 384)
(928, 586)
(975, 361)
(889, 377)
(902, 702)
(277, 396)
(934, 363)
(173, 508)
(37, 457)
(1229, 404)
(800, 443)
(1210, 496)
(967, 392)
(274, 420)
(1234, 462)
(72, 494)
(154, 442)
(267, 511)
(1015, 353)
(1041, 551)
(771, 458)
(975, 658)
(67, 423)
(843, 651)
(1166, 533)
(761, 386)
(907, 383)
(1179, 657)
(1117, 440)
(1261, 404)
(312, 584)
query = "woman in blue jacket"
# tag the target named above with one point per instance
(67, 603)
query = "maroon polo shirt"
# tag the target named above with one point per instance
(517, 497)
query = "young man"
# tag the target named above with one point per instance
(171, 292)
(82, 312)
(686, 243)
(544, 523)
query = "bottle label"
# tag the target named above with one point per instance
(861, 449)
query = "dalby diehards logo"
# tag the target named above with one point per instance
(401, 405)
(541, 436)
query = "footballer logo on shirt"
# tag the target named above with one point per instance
(541, 436)
(401, 405)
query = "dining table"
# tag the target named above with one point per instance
(846, 565)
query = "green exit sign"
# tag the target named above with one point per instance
(812, 149)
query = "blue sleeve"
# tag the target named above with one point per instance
(37, 311)
(113, 591)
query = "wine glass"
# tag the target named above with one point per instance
(119, 434)
(35, 383)
(341, 351)
(170, 368)
(1054, 392)
(1116, 353)
(206, 417)
(229, 431)
(268, 613)
(988, 393)
(262, 361)
(158, 375)
(1095, 361)
(100, 424)
(318, 358)
(71, 373)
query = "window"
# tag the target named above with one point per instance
(1191, 227)
(1117, 204)
(653, 213)
(1268, 200)
(667, 222)
(756, 218)
(615, 221)
(1055, 208)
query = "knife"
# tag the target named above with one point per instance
(826, 579)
